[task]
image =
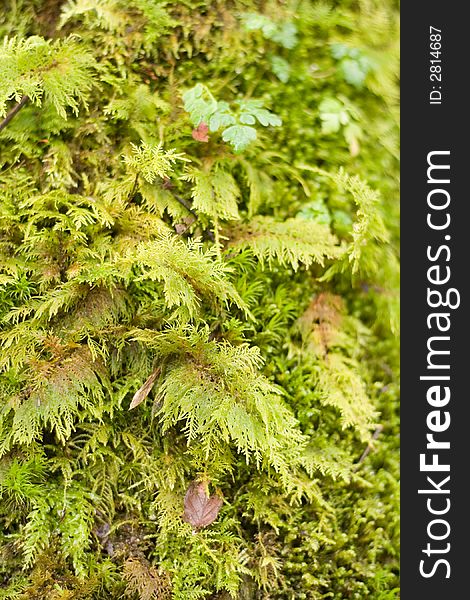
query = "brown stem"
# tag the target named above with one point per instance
(185, 204)
(370, 445)
(134, 188)
(16, 109)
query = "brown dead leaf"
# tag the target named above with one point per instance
(145, 580)
(181, 228)
(201, 133)
(321, 321)
(200, 510)
(145, 389)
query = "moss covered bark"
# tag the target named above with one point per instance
(199, 300)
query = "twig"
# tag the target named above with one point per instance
(369, 446)
(183, 202)
(134, 188)
(181, 228)
(16, 109)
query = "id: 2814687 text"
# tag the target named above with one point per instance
(435, 65)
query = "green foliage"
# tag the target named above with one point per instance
(221, 398)
(353, 64)
(236, 123)
(293, 241)
(60, 71)
(151, 161)
(198, 290)
(284, 33)
(215, 193)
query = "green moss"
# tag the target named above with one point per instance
(199, 282)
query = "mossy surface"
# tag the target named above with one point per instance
(199, 225)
